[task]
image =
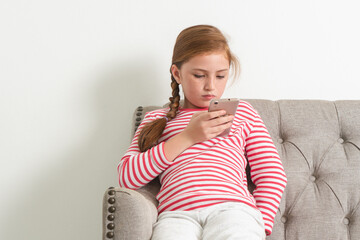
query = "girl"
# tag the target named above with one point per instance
(204, 192)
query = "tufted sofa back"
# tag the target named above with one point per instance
(319, 145)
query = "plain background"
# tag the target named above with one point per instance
(73, 72)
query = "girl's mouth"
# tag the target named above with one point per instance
(208, 97)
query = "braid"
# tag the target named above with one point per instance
(174, 100)
(152, 131)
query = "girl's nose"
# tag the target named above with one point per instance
(210, 84)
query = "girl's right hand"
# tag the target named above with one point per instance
(206, 125)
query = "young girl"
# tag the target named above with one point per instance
(204, 192)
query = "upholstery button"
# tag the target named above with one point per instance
(312, 178)
(138, 113)
(283, 219)
(111, 192)
(281, 140)
(346, 221)
(340, 140)
(140, 108)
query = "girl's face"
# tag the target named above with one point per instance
(203, 78)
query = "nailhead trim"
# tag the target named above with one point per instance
(110, 235)
(111, 226)
(111, 209)
(111, 200)
(139, 118)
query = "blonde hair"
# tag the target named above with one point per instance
(192, 41)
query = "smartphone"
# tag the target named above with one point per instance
(229, 105)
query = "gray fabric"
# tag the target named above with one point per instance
(319, 145)
(135, 212)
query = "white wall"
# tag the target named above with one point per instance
(73, 72)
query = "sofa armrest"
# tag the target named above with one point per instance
(128, 214)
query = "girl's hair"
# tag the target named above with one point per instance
(192, 41)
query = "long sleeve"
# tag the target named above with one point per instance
(267, 171)
(137, 168)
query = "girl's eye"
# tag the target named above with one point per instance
(199, 76)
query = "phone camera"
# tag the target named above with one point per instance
(216, 102)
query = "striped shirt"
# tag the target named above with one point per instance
(213, 171)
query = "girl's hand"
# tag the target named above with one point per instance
(206, 125)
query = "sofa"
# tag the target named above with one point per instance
(319, 144)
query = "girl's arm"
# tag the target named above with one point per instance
(202, 126)
(267, 171)
(137, 168)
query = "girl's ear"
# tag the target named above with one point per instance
(176, 73)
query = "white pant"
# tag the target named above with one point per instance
(230, 220)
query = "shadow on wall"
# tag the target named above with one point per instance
(65, 201)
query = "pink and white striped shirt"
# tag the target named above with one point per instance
(213, 171)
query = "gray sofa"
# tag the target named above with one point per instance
(319, 145)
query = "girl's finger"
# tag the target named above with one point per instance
(222, 120)
(216, 114)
